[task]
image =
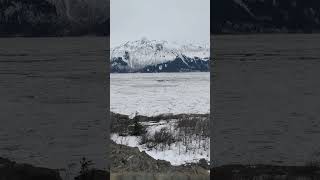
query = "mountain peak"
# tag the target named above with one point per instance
(136, 55)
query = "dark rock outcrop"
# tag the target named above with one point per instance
(186, 64)
(179, 65)
(125, 159)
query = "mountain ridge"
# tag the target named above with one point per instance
(159, 56)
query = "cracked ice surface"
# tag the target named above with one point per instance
(160, 93)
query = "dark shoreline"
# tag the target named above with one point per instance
(158, 117)
(130, 163)
(11, 170)
(266, 172)
(130, 160)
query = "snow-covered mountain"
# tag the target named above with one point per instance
(159, 56)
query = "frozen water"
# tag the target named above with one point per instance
(160, 93)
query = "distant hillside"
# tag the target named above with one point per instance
(91, 17)
(159, 56)
(246, 16)
(53, 17)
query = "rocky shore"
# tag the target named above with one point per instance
(133, 163)
(10, 170)
(130, 159)
(128, 162)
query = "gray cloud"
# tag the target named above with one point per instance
(172, 20)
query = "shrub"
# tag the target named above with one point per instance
(163, 137)
(85, 168)
(145, 138)
(203, 163)
(137, 129)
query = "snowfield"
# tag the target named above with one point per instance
(160, 93)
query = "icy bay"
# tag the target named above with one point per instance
(160, 93)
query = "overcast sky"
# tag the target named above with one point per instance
(172, 20)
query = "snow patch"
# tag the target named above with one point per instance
(177, 153)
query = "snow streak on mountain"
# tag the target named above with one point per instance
(159, 56)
